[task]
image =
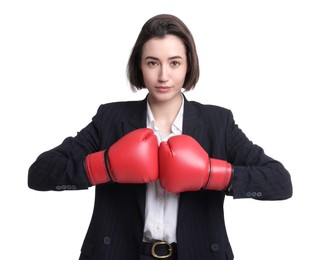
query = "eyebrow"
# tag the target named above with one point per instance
(170, 58)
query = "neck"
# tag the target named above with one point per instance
(165, 112)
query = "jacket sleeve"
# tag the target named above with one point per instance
(255, 175)
(62, 167)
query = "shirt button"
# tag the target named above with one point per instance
(158, 227)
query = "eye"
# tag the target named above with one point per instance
(175, 63)
(152, 64)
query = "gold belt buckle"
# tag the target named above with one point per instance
(155, 244)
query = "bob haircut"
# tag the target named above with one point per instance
(158, 27)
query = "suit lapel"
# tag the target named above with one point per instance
(136, 117)
(191, 121)
(192, 126)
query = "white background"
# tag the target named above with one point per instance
(59, 60)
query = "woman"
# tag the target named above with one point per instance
(161, 166)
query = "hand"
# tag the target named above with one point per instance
(132, 159)
(185, 166)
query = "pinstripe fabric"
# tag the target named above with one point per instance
(116, 227)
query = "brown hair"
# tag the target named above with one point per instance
(159, 26)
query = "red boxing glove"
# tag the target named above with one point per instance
(132, 159)
(185, 166)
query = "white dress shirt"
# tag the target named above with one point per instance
(161, 210)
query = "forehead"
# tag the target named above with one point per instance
(170, 45)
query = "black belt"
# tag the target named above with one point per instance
(160, 250)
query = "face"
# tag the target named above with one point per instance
(164, 67)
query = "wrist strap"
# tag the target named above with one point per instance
(220, 173)
(96, 169)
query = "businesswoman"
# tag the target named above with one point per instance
(161, 166)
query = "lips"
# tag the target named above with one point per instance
(163, 88)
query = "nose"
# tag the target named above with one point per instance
(163, 74)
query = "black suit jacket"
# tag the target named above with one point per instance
(116, 228)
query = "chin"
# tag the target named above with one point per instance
(165, 97)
